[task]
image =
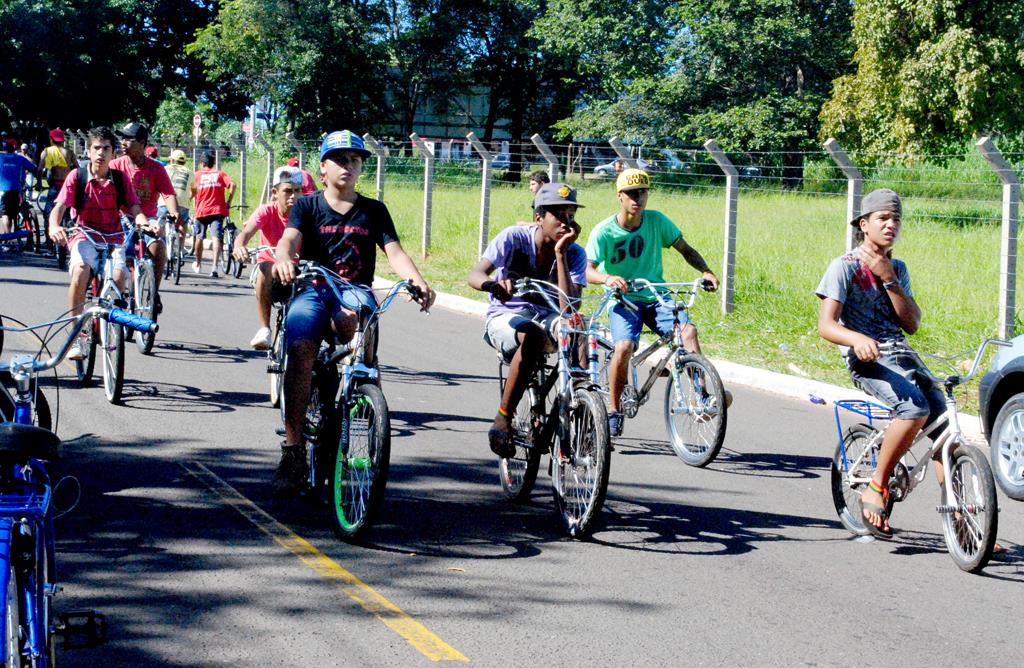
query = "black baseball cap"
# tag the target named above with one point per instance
(136, 131)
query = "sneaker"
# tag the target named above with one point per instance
(728, 398)
(214, 274)
(292, 471)
(77, 350)
(615, 420)
(262, 339)
(196, 268)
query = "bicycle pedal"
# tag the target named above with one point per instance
(81, 628)
(273, 367)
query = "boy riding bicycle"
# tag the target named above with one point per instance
(269, 220)
(519, 329)
(626, 246)
(865, 300)
(341, 230)
(100, 210)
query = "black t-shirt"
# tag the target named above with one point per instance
(346, 244)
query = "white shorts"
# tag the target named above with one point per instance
(84, 254)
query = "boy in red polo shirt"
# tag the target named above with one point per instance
(211, 209)
(100, 213)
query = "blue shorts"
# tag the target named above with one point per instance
(161, 211)
(311, 312)
(898, 382)
(627, 324)
(215, 223)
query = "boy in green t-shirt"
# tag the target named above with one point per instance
(626, 246)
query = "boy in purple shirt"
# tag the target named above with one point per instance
(520, 329)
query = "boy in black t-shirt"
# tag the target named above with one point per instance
(341, 230)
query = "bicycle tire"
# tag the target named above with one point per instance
(145, 301)
(695, 415)
(970, 529)
(62, 257)
(112, 355)
(224, 262)
(518, 473)
(179, 258)
(361, 462)
(237, 269)
(846, 497)
(12, 617)
(277, 358)
(580, 467)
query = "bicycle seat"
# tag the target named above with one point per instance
(23, 442)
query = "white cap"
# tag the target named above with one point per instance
(287, 175)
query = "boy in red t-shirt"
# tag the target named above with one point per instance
(212, 207)
(270, 219)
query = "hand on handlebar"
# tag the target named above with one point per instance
(708, 277)
(501, 290)
(240, 253)
(58, 235)
(151, 228)
(422, 294)
(616, 283)
(283, 270)
(866, 348)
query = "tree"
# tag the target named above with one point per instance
(929, 75)
(750, 73)
(79, 63)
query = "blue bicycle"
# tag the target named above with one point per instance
(29, 628)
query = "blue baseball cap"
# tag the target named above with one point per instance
(343, 140)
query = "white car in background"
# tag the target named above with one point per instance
(608, 169)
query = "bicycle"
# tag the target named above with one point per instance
(225, 262)
(142, 293)
(696, 407)
(27, 545)
(347, 426)
(968, 504)
(276, 353)
(108, 337)
(571, 426)
(175, 250)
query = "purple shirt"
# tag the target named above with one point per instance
(514, 255)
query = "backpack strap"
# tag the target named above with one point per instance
(115, 175)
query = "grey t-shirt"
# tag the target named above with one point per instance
(866, 306)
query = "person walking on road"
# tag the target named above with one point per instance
(213, 191)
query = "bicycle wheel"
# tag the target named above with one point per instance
(112, 356)
(361, 462)
(695, 410)
(224, 262)
(970, 518)
(519, 472)
(237, 268)
(276, 371)
(861, 455)
(12, 618)
(145, 300)
(179, 258)
(581, 464)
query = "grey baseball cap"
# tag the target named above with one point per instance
(556, 194)
(882, 199)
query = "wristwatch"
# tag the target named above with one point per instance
(889, 285)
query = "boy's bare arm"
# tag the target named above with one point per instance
(695, 260)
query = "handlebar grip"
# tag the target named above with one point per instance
(706, 285)
(121, 317)
(11, 236)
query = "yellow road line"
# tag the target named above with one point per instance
(414, 633)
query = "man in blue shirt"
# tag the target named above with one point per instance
(12, 175)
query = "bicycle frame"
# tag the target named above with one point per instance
(950, 436)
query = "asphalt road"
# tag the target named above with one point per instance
(176, 539)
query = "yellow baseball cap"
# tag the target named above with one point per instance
(177, 155)
(632, 179)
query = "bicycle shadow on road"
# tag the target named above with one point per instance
(759, 464)
(203, 353)
(420, 378)
(171, 397)
(1008, 565)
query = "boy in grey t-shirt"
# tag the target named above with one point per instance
(865, 300)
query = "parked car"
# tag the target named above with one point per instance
(1002, 417)
(608, 169)
(672, 160)
(501, 161)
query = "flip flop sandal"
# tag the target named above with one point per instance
(877, 532)
(501, 443)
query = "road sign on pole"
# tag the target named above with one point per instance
(197, 120)
(196, 132)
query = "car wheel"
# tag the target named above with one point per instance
(1007, 443)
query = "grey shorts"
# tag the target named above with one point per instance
(899, 382)
(501, 330)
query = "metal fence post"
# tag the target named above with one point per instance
(485, 190)
(551, 158)
(623, 153)
(378, 151)
(297, 145)
(243, 174)
(731, 200)
(265, 193)
(854, 185)
(428, 188)
(1008, 245)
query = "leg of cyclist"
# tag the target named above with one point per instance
(217, 235)
(521, 341)
(198, 235)
(626, 325)
(158, 249)
(263, 282)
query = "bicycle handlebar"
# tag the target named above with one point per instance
(901, 347)
(535, 286)
(105, 309)
(309, 269)
(11, 236)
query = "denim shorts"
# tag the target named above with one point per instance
(311, 312)
(500, 331)
(899, 382)
(627, 324)
(215, 223)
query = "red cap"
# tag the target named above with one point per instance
(57, 135)
(151, 151)
(293, 162)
